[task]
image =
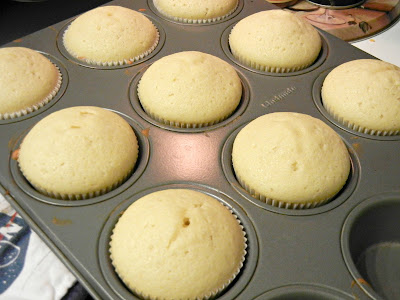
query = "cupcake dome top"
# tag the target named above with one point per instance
(190, 10)
(364, 93)
(177, 244)
(190, 89)
(276, 41)
(290, 157)
(78, 152)
(110, 35)
(28, 80)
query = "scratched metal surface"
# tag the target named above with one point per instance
(291, 253)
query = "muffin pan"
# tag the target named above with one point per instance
(348, 248)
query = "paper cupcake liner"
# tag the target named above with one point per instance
(280, 203)
(264, 68)
(82, 196)
(179, 124)
(241, 263)
(114, 63)
(38, 105)
(195, 21)
(184, 124)
(209, 295)
(357, 127)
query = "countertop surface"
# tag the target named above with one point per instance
(385, 45)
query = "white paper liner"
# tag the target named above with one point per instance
(184, 124)
(114, 63)
(83, 196)
(261, 67)
(280, 203)
(179, 124)
(211, 294)
(38, 105)
(359, 128)
(195, 21)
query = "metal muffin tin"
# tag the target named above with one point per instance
(328, 252)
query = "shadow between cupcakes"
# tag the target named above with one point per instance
(141, 163)
(338, 199)
(135, 102)
(234, 288)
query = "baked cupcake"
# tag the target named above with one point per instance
(275, 41)
(111, 35)
(177, 244)
(193, 11)
(28, 81)
(78, 153)
(364, 95)
(290, 160)
(190, 89)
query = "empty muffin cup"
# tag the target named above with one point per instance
(371, 245)
(304, 291)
